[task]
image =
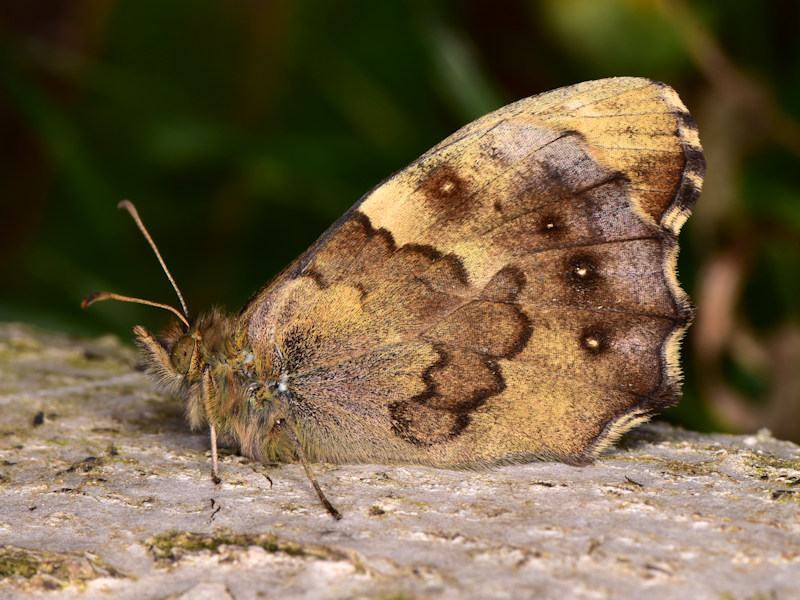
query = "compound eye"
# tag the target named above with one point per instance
(181, 356)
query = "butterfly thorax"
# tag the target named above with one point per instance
(212, 367)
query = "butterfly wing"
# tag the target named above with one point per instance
(510, 295)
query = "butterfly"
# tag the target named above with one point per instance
(509, 296)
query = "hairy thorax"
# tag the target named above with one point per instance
(239, 396)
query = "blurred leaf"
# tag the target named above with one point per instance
(615, 37)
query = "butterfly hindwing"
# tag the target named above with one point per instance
(510, 295)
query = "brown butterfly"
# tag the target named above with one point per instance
(510, 296)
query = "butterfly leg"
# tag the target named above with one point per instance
(208, 390)
(309, 473)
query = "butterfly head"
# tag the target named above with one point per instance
(176, 358)
(173, 358)
(195, 359)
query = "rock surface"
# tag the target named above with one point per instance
(105, 493)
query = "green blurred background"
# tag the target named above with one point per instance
(242, 129)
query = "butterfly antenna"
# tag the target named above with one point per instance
(98, 296)
(127, 205)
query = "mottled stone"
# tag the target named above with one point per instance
(106, 493)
